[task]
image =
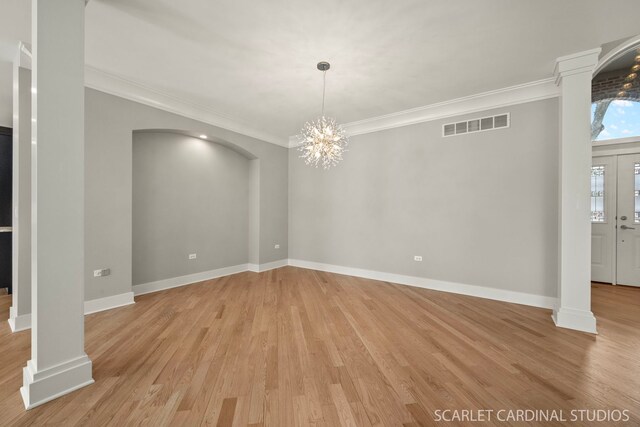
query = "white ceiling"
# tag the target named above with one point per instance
(254, 61)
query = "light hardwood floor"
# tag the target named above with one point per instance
(294, 347)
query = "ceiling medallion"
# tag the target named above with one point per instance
(323, 139)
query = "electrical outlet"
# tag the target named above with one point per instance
(417, 258)
(102, 272)
(192, 256)
(277, 246)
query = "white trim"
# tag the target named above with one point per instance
(55, 381)
(20, 322)
(580, 320)
(138, 92)
(616, 141)
(23, 322)
(188, 279)
(107, 303)
(616, 149)
(273, 265)
(421, 282)
(616, 52)
(438, 285)
(23, 55)
(519, 94)
(576, 63)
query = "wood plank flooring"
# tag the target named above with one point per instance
(295, 347)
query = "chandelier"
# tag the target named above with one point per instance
(323, 140)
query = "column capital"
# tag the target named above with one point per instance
(576, 63)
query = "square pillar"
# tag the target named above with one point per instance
(573, 76)
(20, 311)
(58, 362)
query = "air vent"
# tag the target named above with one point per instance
(477, 125)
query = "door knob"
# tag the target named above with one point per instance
(624, 227)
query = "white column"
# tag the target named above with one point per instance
(58, 362)
(20, 311)
(254, 215)
(573, 76)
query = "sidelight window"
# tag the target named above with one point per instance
(636, 193)
(597, 193)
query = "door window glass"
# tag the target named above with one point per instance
(636, 188)
(597, 193)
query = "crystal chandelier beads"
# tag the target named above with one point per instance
(323, 143)
(323, 139)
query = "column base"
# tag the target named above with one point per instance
(20, 322)
(48, 384)
(579, 320)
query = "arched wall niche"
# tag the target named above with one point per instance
(110, 121)
(199, 135)
(207, 203)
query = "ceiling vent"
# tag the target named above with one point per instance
(477, 125)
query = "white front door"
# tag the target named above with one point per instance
(603, 219)
(628, 223)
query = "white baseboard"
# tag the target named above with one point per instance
(570, 318)
(107, 303)
(23, 322)
(438, 285)
(188, 279)
(50, 383)
(20, 322)
(260, 268)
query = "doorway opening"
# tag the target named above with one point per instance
(615, 170)
(6, 202)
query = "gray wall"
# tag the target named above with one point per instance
(189, 196)
(481, 209)
(110, 122)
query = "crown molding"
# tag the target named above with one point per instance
(512, 95)
(124, 88)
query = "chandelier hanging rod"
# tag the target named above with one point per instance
(323, 66)
(323, 140)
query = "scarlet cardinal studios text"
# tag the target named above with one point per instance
(535, 415)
